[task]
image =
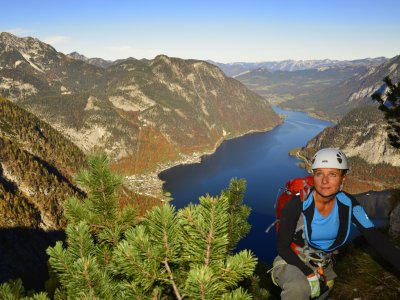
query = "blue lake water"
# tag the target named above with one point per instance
(260, 158)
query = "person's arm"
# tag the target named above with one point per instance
(287, 227)
(374, 237)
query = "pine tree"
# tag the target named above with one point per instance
(14, 290)
(169, 254)
(238, 226)
(390, 105)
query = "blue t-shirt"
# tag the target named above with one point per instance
(325, 229)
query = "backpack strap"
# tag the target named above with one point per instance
(303, 189)
(271, 225)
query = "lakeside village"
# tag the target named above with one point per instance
(150, 184)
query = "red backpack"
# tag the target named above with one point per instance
(296, 186)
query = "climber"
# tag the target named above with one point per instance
(311, 231)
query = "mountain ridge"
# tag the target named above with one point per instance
(343, 97)
(99, 62)
(238, 68)
(141, 112)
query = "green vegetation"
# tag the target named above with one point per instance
(390, 105)
(40, 138)
(36, 169)
(110, 253)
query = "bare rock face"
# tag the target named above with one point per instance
(361, 133)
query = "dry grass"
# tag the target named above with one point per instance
(364, 275)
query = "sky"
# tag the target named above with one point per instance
(222, 31)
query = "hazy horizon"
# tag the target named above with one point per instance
(221, 31)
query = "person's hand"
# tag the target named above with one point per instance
(313, 280)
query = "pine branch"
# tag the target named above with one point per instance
(79, 241)
(163, 229)
(131, 290)
(190, 218)
(60, 262)
(182, 255)
(238, 267)
(238, 294)
(172, 281)
(12, 290)
(238, 213)
(75, 211)
(87, 276)
(127, 263)
(204, 229)
(201, 283)
(210, 239)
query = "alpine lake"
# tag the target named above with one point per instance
(263, 160)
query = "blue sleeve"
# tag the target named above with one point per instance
(361, 217)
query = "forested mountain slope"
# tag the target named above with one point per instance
(37, 165)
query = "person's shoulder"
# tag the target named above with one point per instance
(351, 198)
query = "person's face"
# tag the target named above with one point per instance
(327, 182)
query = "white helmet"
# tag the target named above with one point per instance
(329, 158)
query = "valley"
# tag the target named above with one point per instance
(160, 116)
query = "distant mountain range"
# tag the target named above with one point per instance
(326, 88)
(141, 112)
(339, 91)
(335, 101)
(99, 62)
(279, 86)
(240, 68)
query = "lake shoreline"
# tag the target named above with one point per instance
(309, 113)
(150, 184)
